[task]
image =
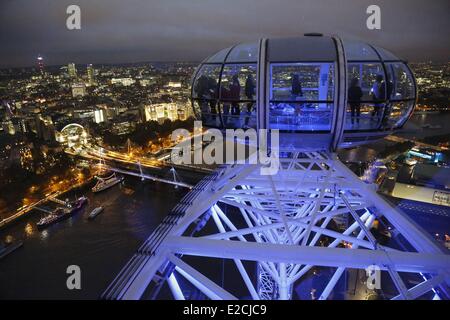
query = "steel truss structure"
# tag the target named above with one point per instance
(314, 213)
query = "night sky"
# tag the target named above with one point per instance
(116, 31)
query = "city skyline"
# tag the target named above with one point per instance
(115, 32)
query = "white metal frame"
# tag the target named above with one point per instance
(280, 223)
(286, 217)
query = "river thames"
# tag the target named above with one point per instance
(99, 247)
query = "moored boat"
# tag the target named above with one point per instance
(9, 248)
(105, 183)
(61, 213)
(95, 213)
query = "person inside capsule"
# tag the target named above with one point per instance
(354, 99)
(301, 89)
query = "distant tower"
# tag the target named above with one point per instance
(40, 64)
(90, 74)
(72, 70)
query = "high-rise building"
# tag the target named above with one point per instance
(19, 125)
(45, 129)
(90, 74)
(40, 64)
(72, 70)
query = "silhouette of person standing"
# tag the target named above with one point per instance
(202, 91)
(225, 96)
(387, 96)
(212, 89)
(377, 93)
(354, 99)
(296, 93)
(296, 87)
(235, 93)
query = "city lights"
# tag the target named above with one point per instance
(242, 151)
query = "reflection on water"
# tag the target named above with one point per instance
(29, 229)
(418, 125)
(44, 235)
(9, 238)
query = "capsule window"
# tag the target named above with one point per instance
(301, 96)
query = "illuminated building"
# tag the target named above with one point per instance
(173, 84)
(122, 127)
(99, 115)
(144, 82)
(90, 74)
(78, 90)
(72, 70)
(73, 135)
(123, 81)
(45, 129)
(40, 64)
(427, 154)
(8, 127)
(162, 111)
